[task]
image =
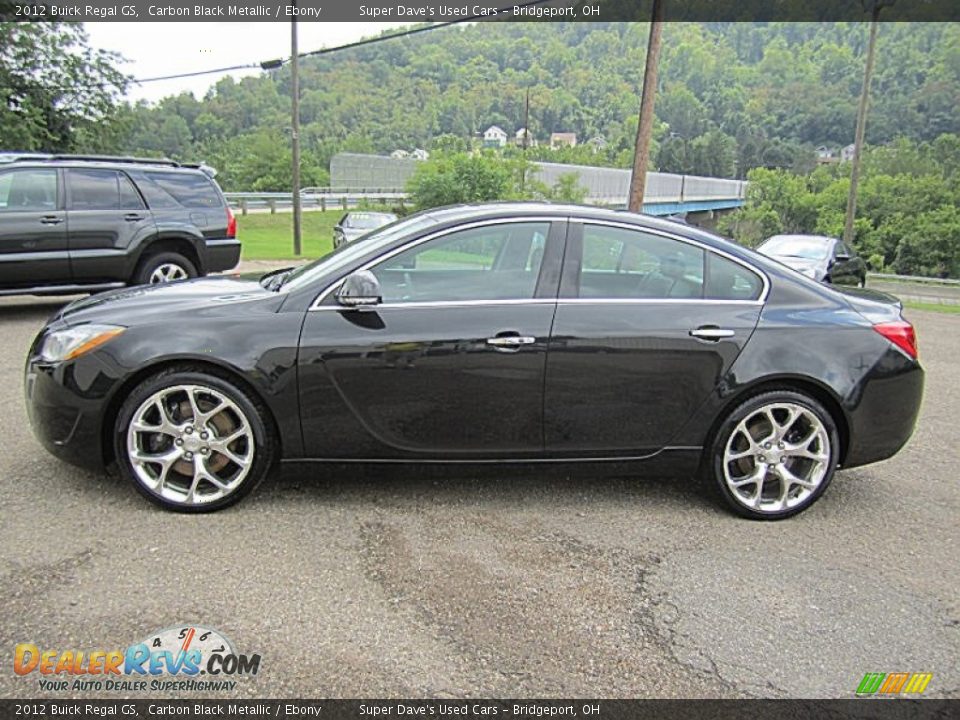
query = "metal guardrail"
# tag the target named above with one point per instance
(913, 279)
(316, 198)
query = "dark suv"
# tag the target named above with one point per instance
(72, 223)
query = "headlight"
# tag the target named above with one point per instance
(76, 341)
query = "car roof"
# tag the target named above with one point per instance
(491, 210)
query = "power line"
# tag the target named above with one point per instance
(274, 64)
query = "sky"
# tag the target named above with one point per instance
(158, 48)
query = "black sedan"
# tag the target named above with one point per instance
(825, 259)
(478, 335)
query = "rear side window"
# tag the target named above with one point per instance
(631, 264)
(101, 190)
(28, 189)
(727, 280)
(189, 190)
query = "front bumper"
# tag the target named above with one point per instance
(65, 404)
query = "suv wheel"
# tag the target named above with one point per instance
(774, 455)
(164, 267)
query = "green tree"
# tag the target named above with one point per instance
(56, 89)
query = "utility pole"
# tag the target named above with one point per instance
(641, 157)
(295, 129)
(526, 121)
(876, 6)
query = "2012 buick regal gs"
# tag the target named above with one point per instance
(505, 333)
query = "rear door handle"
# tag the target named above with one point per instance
(711, 333)
(132, 217)
(51, 220)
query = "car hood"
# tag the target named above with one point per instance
(145, 303)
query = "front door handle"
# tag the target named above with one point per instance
(510, 342)
(51, 220)
(711, 333)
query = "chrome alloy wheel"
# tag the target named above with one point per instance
(168, 272)
(776, 457)
(190, 444)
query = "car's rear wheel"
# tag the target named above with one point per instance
(193, 442)
(775, 455)
(164, 267)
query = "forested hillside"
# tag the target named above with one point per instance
(733, 97)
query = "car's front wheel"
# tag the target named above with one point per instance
(193, 442)
(775, 455)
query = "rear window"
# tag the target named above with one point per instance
(189, 190)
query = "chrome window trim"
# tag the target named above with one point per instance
(316, 305)
(696, 243)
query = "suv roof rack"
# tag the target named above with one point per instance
(11, 157)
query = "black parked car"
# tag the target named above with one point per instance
(825, 259)
(504, 333)
(73, 224)
(356, 224)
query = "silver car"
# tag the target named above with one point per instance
(356, 224)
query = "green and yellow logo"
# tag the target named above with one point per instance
(899, 683)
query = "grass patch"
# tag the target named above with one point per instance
(933, 307)
(270, 237)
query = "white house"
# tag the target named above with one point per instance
(524, 133)
(846, 154)
(494, 136)
(420, 154)
(399, 154)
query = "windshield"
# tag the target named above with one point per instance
(366, 221)
(346, 254)
(796, 247)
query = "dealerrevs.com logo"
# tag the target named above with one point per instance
(893, 684)
(176, 659)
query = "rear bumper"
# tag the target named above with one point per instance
(222, 254)
(886, 412)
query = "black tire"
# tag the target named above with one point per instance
(151, 263)
(718, 446)
(262, 453)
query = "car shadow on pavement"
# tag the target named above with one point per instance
(508, 488)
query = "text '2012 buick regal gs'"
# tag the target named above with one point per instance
(505, 333)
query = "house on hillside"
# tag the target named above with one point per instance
(826, 155)
(597, 143)
(399, 154)
(420, 154)
(522, 133)
(494, 136)
(563, 139)
(846, 154)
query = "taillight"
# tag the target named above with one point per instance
(231, 223)
(901, 334)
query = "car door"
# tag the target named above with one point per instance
(33, 229)
(106, 217)
(647, 325)
(450, 364)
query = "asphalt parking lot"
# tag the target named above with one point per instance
(512, 586)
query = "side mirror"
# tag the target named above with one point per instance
(360, 289)
(840, 257)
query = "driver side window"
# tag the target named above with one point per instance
(493, 262)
